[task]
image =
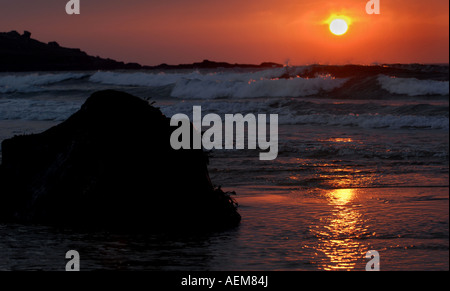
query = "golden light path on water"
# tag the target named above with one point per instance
(341, 227)
(340, 232)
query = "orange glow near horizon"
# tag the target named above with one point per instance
(155, 32)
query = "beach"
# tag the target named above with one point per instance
(357, 170)
(298, 232)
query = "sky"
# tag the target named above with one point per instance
(239, 31)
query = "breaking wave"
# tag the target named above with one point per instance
(413, 86)
(195, 85)
(339, 82)
(34, 82)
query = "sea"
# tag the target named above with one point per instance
(362, 165)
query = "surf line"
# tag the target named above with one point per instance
(236, 125)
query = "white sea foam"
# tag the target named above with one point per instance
(164, 79)
(230, 83)
(33, 82)
(199, 88)
(195, 85)
(413, 86)
(295, 87)
(135, 79)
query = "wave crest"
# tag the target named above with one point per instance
(413, 86)
(34, 82)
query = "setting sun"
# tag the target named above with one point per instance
(338, 26)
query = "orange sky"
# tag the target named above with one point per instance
(244, 31)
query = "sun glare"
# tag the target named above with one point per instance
(338, 26)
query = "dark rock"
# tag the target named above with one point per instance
(111, 165)
(207, 64)
(53, 44)
(26, 34)
(22, 53)
(13, 34)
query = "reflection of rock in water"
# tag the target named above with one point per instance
(339, 234)
(110, 164)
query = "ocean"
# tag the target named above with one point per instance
(363, 164)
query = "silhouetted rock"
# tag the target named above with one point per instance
(53, 44)
(22, 53)
(207, 64)
(111, 165)
(26, 34)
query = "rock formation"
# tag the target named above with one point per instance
(19, 53)
(22, 53)
(111, 165)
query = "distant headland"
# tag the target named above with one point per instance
(20, 53)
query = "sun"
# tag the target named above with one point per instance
(338, 26)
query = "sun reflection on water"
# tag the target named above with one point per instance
(341, 196)
(339, 233)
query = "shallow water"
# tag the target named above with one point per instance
(285, 230)
(298, 213)
(351, 176)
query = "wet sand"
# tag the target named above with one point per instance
(282, 229)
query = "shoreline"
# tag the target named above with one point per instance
(277, 233)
